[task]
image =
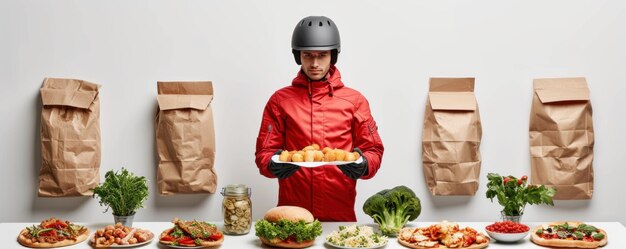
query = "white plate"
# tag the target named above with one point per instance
(345, 247)
(507, 237)
(316, 164)
(183, 247)
(121, 246)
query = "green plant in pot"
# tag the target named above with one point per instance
(124, 193)
(513, 194)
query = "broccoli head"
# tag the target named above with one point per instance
(392, 208)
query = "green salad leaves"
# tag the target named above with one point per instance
(283, 229)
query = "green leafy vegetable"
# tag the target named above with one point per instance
(513, 194)
(392, 208)
(587, 229)
(123, 192)
(177, 233)
(36, 230)
(578, 235)
(598, 236)
(300, 231)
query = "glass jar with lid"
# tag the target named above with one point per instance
(237, 209)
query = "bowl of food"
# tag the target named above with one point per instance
(507, 231)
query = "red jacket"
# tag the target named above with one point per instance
(331, 115)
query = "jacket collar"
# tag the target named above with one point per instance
(332, 81)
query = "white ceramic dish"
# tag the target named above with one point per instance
(122, 246)
(345, 247)
(184, 247)
(316, 164)
(507, 237)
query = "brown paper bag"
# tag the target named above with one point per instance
(451, 137)
(561, 137)
(185, 138)
(70, 138)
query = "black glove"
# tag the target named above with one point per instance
(355, 170)
(282, 170)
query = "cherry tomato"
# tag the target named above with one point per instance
(507, 227)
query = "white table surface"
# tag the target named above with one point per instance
(9, 231)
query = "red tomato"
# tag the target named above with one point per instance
(216, 236)
(167, 238)
(186, 241)
(57, 224)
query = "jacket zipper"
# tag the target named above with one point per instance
(269, 133)
(311, 139)
(369, 127)
(312, 170)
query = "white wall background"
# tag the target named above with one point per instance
(389, 50)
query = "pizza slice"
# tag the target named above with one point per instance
(52, 233)
(192, 233)
(569, 234)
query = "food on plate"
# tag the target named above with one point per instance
(442, 235)
(297, 158)
(288, 227)
(356, 237)
(312, 153)
(507, 227)
(569, 234)
(53, 233)
(392, 208)
(192, 233)
(120, 235)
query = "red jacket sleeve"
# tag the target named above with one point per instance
(271, 137)
(365, 137)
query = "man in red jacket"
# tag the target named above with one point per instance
(318, 109)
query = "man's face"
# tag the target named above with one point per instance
(315, 64)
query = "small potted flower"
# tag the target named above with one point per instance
(124, 193)
(513, 194)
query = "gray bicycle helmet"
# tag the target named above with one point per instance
(316, 33)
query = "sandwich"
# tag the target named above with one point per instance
(288, 227)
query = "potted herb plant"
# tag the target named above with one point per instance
(124, 193)
(513, 194)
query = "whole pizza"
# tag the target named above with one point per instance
(52, 233)
(442, 235)
(569, 234)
